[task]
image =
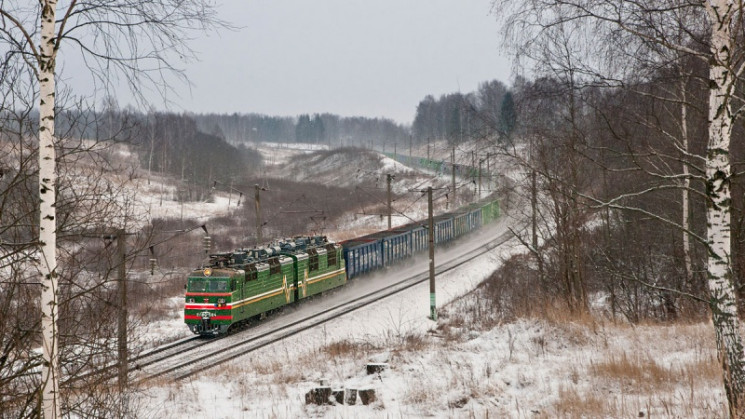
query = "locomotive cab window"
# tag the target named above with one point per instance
(196, 285)
(218, 285)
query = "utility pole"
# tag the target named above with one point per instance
(432, 307)
(258, 214)
(473, 170)
(388, 181)
(488, 173)
(122, 339)
(480, 162)
(410, 141)
(455, 196)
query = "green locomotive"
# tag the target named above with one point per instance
(237, 286)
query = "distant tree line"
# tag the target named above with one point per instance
(458, 117)
(173, 144)
(324, 128)
(167, 143)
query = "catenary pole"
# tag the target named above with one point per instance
(122, 338)
(480, 162)
(455, 196)
(388, 181)
(432, 307)
(258, 215)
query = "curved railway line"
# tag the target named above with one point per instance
(190, 356)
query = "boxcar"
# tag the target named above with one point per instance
(383, 248)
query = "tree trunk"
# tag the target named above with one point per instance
(50, 400)
(686, 221)
(718, 172)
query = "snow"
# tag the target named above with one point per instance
(165, 329)
(388, 321)
(279, 154)
(532, 367)
(520, 369)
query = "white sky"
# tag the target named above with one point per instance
(348, 57)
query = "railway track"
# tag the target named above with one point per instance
(191, 360)
(144, 359)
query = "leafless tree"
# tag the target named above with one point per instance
(613, 41)
(135, 40)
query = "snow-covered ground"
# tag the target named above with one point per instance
(559, 367)
(278, 154)
(158, 198)
(526, 368)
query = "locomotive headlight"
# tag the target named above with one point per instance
(191, 300)
(221, 302)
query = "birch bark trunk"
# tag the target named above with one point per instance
(50, 400)
(718, 173)
(686, 219)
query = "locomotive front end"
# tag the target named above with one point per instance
(208, 301)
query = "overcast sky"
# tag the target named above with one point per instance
(349, 57)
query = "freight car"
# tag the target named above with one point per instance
(377, 250)
(438, 166)
(234, 287)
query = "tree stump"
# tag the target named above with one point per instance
(318, 395)
(375, 368)
(367, 396)
(350, 397)
(338, 396)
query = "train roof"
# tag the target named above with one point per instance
(291, 246)
(422, 224)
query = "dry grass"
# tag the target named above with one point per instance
(572, 404)
(636, 371)
(628, 381)
(412, 342)
(420, 395)
(347, 348)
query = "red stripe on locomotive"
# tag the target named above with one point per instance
(192, 317)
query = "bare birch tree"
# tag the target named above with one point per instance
(136, 40)
(612, 37)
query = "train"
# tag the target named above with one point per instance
(441, 167)
(234, 287)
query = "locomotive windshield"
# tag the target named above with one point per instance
(195, 285)
(218, 285)
(199, 285)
